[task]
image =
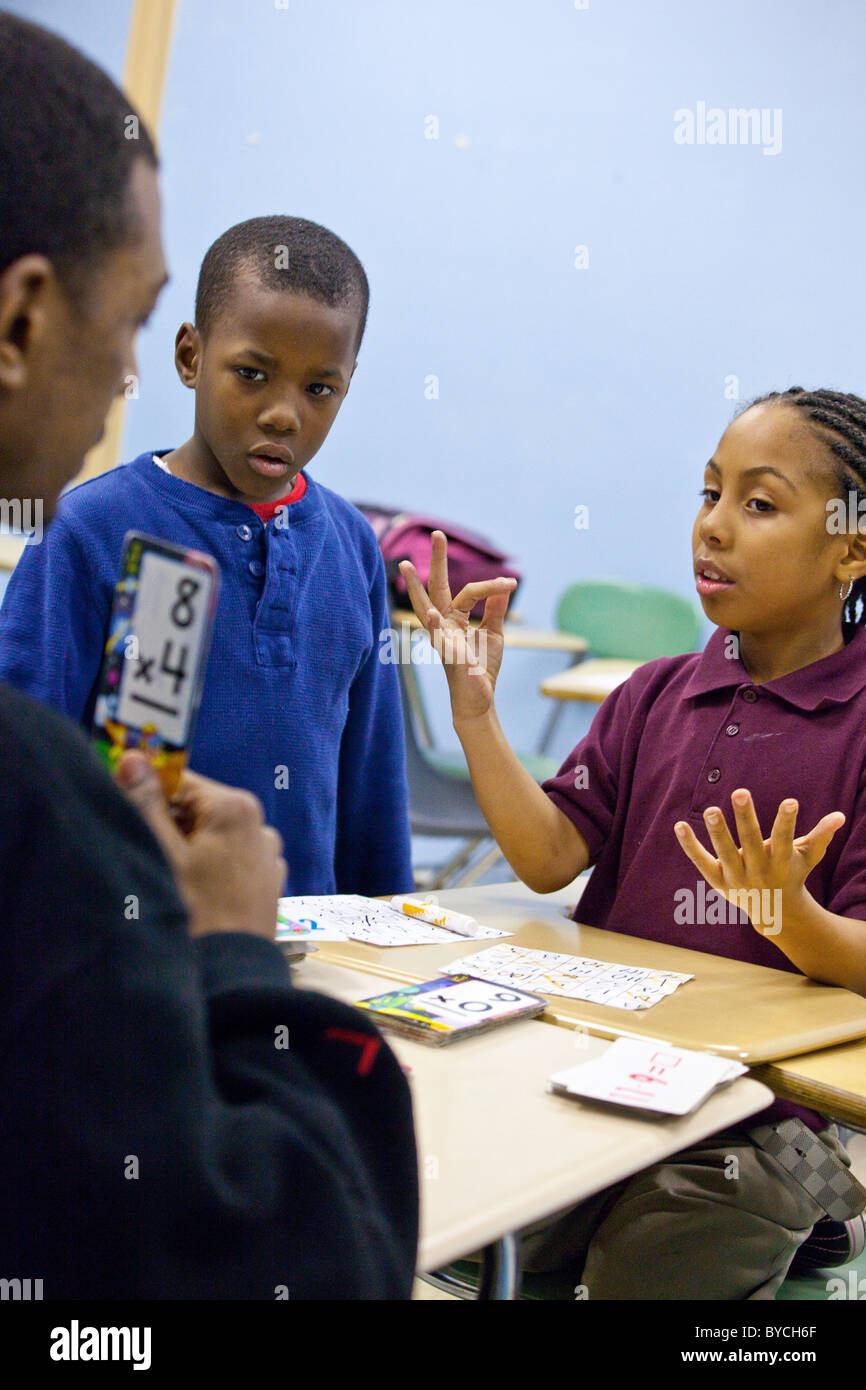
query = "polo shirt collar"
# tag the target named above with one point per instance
(834, 679)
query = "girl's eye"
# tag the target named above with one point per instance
(711, 496)
(253, 373)
(320, 389)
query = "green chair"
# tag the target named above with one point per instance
(629, 622)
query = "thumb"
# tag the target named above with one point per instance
(814, 846)
(137, 777)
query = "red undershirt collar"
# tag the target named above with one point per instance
(267, 509)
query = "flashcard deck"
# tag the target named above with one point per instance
(648, 1076)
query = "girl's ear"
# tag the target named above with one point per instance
(187, 354)
(853, 564)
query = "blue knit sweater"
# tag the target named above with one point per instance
(294, 679)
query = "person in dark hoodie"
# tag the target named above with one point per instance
(177, 1120)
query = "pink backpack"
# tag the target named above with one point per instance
(406, 536)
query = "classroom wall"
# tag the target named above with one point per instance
(598, 378)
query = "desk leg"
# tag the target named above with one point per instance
(500, 1270)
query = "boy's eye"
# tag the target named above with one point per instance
(250, 373)
(320, 389)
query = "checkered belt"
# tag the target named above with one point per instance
(824, 1176)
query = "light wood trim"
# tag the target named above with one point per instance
(11, 550)
(147, 54)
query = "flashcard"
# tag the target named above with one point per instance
(442, 1010)
(648, 1076)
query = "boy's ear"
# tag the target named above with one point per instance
(27, 288)
(187, 354)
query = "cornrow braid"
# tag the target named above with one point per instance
(838, 419)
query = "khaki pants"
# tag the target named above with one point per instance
(697, 1226)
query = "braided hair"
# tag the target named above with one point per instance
(839, 421)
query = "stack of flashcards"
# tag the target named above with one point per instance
(648, 1076)
(439, 1011)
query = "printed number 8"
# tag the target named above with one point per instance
(186, 589)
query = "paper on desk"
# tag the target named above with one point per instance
(648, 1076)
(290, 928)
(349, 916)
(575, 977)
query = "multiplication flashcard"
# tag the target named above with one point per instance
(156, 654)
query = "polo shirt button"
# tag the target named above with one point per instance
(750, 695)
(257, 568)
(714, 775)
(732, 729)
(244, 532)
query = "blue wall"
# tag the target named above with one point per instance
(558, 386)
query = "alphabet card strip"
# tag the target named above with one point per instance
(575, 977)
(351, 917)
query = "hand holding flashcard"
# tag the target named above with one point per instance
(155, 657)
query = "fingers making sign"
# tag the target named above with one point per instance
(470, 654)
(746, 873)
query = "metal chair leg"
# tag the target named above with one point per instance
(500, 1271)
(457, 861)
(474, 872)
(556, 713)
(549, 728)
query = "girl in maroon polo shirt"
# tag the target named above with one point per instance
(770, 717)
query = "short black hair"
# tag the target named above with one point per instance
(68, 141)
(285, 253)
(838, 421)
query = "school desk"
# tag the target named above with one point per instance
(832, 1081)
(591, 681)
(496, 1150)
(748, 1012)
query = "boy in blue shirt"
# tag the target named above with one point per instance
(297, 707)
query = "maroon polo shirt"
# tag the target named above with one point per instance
(682, 734)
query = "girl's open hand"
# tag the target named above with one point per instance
(471, 655)
(781, 863)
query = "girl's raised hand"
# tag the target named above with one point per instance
(778, 866)
(471, 655)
